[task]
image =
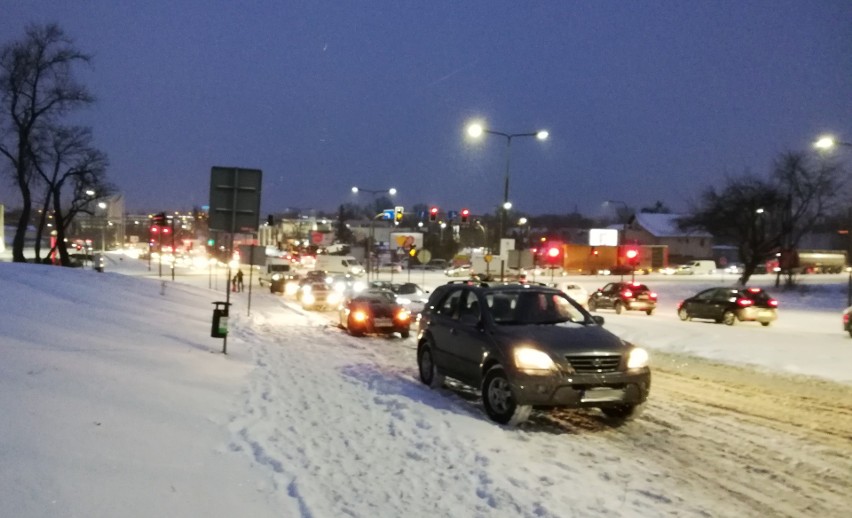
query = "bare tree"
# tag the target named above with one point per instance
(64, 156)
(741, 212)
(767, 216)
(809, 191)
(36, 87)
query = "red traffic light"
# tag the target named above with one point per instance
(433, 214)
(553, 252)
(465, 214)
(632, 253)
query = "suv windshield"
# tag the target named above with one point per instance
(533, 307)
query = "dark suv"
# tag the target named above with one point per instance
(622, 296)
(528, 346)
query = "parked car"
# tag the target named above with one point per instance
(847, 325)
(374, 311)
(411, 296)
(578, 293)
(462, 270)
(621, 296)
(728, 305)
(704, 266)
(319, 296)
(525, 346)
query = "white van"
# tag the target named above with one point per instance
(700, 267)
(339, 264)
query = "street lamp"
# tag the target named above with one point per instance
(375, 192)
(476, 130)
(102, 205)
(828, 143)
(622, 238)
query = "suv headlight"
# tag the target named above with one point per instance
(637, 359)
(529, 359)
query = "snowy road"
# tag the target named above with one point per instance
(323, 410)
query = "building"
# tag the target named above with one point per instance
(662, 230)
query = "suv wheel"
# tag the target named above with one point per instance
(619, 307)
(683, 314)
(497, 398)
(623, 413)
(429, 374)
(729, 318)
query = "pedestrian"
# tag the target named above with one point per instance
(239, 280)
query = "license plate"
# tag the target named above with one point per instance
(383, 322)
(765, 313)
(603, 394)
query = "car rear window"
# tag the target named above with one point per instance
(758, 296)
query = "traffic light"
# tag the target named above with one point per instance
(553, 254)
(465, 214)
(433, 214)
(593, 250)
(398, 212)
(412, 251)
(270, 220)
(632, 255)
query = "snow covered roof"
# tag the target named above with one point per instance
(665, 225)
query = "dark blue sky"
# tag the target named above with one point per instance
(644, 101)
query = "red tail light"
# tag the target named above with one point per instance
(745, 302)
(653, 295)
(627, 294)
(773, 303)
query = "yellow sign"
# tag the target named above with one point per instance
(488, 258)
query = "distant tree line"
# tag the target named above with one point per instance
(55, 166)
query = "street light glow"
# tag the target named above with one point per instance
(542, 135)
(475, 130)
(825, 142)
(392, 191)
(354, 189)
(507, 205)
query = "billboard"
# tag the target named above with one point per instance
(603, 237)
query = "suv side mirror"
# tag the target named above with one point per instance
(599, 320)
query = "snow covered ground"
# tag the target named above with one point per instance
(116, 402)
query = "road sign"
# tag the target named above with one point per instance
(234, 199)
(452, 214)
(488, 258)
(424, 256)
(388, 214)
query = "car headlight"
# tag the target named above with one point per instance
(527, 358)
(333, 298)
(637, 359)
(308, 298)
(276, 276)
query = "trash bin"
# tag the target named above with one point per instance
(220, 320)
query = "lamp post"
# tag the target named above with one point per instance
(375, 192)
(828, 143)
(622, 238)
(102, 205)
(476, 130)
